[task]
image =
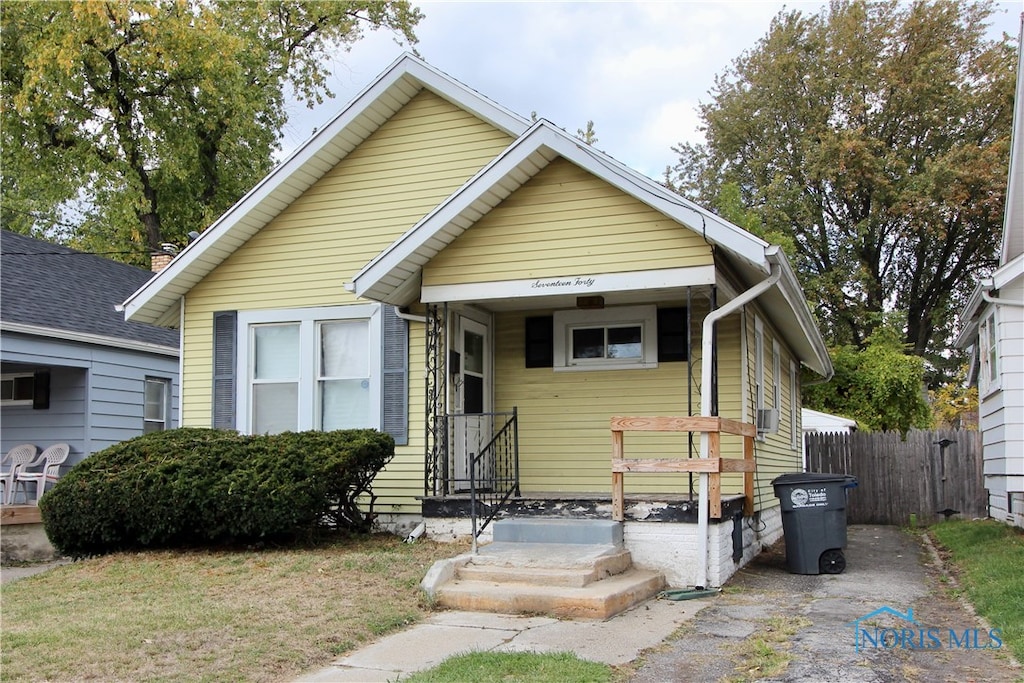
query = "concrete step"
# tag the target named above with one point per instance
(545, 563)
(557, 530)
(597, 600)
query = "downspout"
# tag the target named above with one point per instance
(707, 347)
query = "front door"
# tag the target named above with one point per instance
(472, 423)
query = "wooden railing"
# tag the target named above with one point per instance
(713, 465)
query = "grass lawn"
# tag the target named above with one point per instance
(262, 615)
(989, 558)
(514, 667)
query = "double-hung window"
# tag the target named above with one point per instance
(156, 410)
(317, 368)
(988, 352)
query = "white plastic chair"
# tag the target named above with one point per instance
(51, 459)
(16, 458)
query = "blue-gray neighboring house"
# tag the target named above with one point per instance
(71, 369)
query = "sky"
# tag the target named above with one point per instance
(638, 70)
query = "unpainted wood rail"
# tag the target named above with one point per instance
(713, 465)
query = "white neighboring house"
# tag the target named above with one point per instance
(818, 422)
(993, 328)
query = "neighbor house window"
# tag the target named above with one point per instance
(157, 406)
(988, 352)
(606, 339)
(17, 389)
(317, 368)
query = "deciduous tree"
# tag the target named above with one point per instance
(876, 136)
(128, 123)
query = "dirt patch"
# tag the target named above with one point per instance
(891, 588)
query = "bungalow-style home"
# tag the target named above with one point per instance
(73, 370)
(542, 329)
(993, 328)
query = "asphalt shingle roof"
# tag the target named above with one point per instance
(50, 285)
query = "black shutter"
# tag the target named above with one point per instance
(225, 339)
(672, 341)
(41, 390)
(395, 381)
(539, 344)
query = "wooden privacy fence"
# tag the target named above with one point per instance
(922, 475)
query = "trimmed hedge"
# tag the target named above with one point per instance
(203, 487)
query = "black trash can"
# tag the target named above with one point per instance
(814, 520)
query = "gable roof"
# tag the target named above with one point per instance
(393, 275)
(157, 302)
(54, 291)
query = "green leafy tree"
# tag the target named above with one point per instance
(880, 386)
(129, 123)
(876, 136)
(955, 403)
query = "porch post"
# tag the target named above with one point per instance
(436, 389)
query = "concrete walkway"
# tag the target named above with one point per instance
(886, 568)
(616, 641)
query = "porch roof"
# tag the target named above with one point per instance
(394, 276)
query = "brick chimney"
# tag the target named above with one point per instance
(158, 260)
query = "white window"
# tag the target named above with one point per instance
(794, 405)
(317, 368)
(988, 352)
(157, 405)
(17, 389)
(620, 338)
(758, 364)
(776, 376)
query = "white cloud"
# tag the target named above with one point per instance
(637, 69)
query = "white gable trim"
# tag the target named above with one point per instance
(158, 300)
(521, 161)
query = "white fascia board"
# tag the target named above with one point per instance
(87, 338)
(968, 315)
(278, 189)
(572, 285)
(1007, 273)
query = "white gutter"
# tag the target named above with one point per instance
(986, 294)
(707, 348)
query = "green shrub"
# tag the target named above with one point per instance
(203, 487)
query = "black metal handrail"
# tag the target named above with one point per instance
(494, 474)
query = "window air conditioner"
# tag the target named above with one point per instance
(767, 420)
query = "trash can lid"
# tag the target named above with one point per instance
(813, 478)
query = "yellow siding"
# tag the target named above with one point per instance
(564, 432)
(305, 256)
(564, 435)
(562, 222)
(775, 453)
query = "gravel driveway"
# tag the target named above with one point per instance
(813, 621)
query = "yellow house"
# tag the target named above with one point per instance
(529, 318)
